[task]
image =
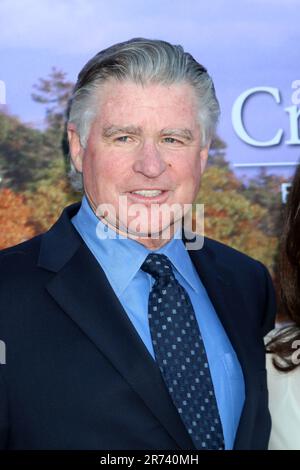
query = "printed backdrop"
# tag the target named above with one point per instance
(251, 49)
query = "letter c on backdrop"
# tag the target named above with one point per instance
(237, 117)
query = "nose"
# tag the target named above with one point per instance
(149, 162)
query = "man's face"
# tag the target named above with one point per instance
(144, 138)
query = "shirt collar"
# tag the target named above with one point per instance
(177, 253)
(122, 257)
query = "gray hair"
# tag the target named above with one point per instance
(141, 61)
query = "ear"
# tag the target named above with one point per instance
(76, 150)
(203, 157)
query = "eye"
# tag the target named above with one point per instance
(123, 138)
(171, 140)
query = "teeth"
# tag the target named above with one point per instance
(148, 193)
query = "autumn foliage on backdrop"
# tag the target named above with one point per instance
(34, 185)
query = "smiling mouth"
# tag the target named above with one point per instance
(148, 192)
(151, 195)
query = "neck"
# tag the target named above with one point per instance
(152, 241)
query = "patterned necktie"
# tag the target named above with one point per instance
(181, 356)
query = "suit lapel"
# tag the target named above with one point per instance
(224, 295)
(82, 290)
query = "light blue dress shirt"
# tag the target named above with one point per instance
(121, 259)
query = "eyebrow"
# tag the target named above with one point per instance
(113, 130)
(184, 133)
(110, 131)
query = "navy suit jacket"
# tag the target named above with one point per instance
(77, 374)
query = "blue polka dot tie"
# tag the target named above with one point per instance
(181, 356)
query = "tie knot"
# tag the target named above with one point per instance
(158, 266)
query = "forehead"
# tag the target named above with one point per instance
(127, 102)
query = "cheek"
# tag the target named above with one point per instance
(189, 173)
(95, 163)
(105, 170)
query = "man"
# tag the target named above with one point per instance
(117, 336)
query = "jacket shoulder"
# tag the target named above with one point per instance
(252, 279)
(17, 260)
(29, 247)
(231, 256)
